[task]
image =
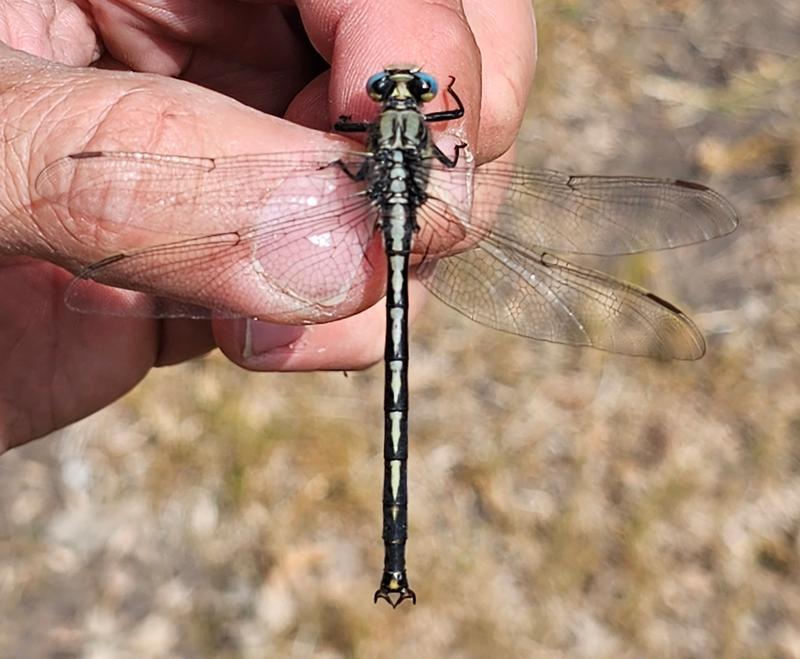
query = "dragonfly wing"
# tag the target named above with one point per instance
(168, 197)
(310, 268)
(274, 235)
(602, 215)
(538, 295)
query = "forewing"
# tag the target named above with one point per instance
(168, 197)
(601, 215)
(279, 236)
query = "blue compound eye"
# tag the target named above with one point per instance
(379, 86)
(424, 86)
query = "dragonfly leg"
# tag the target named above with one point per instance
(344, 125)
(448, 115)
(360, 175)
(443, 158)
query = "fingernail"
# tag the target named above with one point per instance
(261, 337)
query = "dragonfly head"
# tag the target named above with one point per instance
(402, 83)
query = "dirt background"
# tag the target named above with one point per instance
(564, 502)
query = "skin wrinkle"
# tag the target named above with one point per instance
(22, 201)
(75, 25)
(453, 5)
(110, 12)
(56, 127)
(162, 16)
(43, 238)
(67, 93)
(21, 82)
(159, 124)
(12, 156)
(54, 29)
(30, 9)
(169, 109)
(32, 175)
(106, 118)
(127, 8)
(65, 227)
(69, 25)
(117, 105)
(49, 22)
(42, 119)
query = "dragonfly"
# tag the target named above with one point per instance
(306, 235)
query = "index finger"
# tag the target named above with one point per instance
(361, 37)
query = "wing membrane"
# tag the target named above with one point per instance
(293, 232)
(541, 296)
(180, 196)
(316, 266)
(269, 235)
(599, 215)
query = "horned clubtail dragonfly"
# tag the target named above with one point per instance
(303, 232)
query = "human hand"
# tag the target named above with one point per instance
(59, 366)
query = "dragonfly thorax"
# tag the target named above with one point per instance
(398, 172)
(400, 129)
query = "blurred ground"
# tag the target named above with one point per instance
(564, 503)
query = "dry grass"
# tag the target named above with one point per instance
(563, 502)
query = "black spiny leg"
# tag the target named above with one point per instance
(447, 115)
(344, 125)
(360, 175)
(443, 158)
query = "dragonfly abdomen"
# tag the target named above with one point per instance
(397, 224)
